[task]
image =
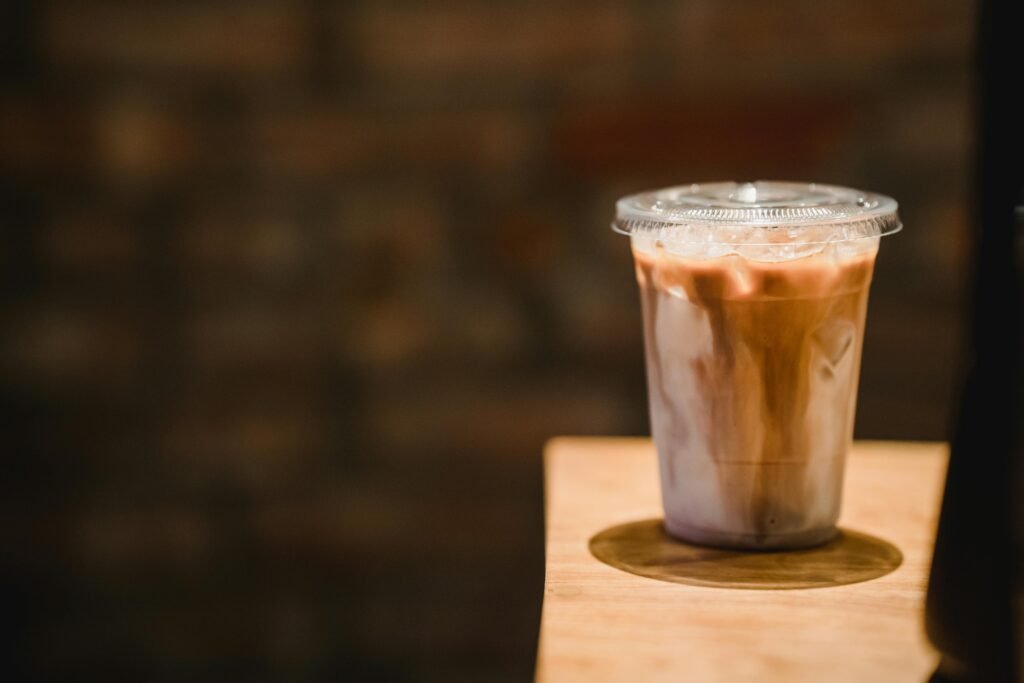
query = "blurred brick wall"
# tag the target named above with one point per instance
(295, 291)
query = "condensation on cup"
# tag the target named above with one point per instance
(754, 298)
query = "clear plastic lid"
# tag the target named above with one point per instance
(760, 213)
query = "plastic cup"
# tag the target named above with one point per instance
(754, 298)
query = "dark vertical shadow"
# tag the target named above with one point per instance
(969, 608)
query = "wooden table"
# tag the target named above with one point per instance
(705, 617)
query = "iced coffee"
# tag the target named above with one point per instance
(754, 299)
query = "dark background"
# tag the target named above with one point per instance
(294, 292)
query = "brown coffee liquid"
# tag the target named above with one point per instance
(752, 368)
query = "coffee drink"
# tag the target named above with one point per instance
(752, 369)
(753, 356)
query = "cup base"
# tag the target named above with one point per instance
(739, 541)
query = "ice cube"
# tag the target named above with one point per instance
(776, 253)
(644, 243)
(835, 339)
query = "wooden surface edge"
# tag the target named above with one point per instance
(576, 446)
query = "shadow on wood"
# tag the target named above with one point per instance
(645, 549)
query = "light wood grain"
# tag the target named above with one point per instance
(600, 623)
